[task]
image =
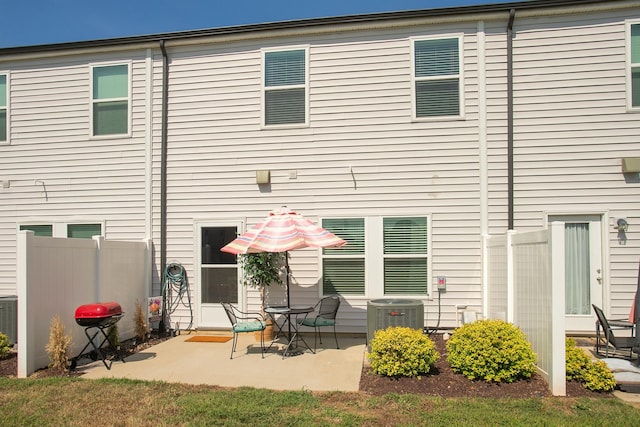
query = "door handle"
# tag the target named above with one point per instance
(599, 277)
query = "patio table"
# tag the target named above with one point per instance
(291, 315)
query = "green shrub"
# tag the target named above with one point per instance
(491, 350)
(594, 374)
(5, 347)
(401, 351)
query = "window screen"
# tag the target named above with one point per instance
(110, 100)
(285, 87)
(437, 77)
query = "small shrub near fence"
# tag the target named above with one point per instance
(491, 350)
(5, 348)
(594, 374)
(401, 351)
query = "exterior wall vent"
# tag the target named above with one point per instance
(385, 312)
(9, 318)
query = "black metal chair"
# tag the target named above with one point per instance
(242, 321)
(326, 310)
(610, 340)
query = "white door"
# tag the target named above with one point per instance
(584, 283)
(218, 273)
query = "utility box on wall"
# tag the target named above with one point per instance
(385, 312)
(9, 317)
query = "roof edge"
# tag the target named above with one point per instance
(299, 23)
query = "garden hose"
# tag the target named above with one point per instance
(175, 292)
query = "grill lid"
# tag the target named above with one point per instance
(98, 310)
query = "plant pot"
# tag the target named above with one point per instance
(268, 333)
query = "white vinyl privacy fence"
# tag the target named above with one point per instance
(57, 275)
(525, 285)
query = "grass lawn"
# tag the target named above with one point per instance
(80, 402)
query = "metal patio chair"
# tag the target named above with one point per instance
(242, 321)
(609, 340)
(326, 310)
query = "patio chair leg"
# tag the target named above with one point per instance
(335, 336)
(233, 345)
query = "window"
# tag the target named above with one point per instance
(3, 108)
(110, 99)
(83, 231)
(285, 87)
(343, 270)
(437, 77)
(634, 66)
(393, 252)
(45, 230)
(77, 231)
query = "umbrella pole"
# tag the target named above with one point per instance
(286, 266)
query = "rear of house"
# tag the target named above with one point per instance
(412, 135)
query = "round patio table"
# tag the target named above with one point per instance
(291, 316)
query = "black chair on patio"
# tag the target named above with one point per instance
(242, 321)
(326, 310)
(610, 340)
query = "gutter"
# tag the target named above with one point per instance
(534, 7)
(510, 208)
(163, 158)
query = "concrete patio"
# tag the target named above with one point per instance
(177, 360)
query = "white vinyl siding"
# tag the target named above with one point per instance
(110, 100)
(394, 247)
(437, 77)
(285, 87)
(4, 108)
(633, 61)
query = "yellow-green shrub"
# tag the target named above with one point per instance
(594, 374)
(5, 348)
(491, 350)
(401, 351)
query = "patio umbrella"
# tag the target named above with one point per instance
(282, 231)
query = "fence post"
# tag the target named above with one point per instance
(510, 277)
(557, 380)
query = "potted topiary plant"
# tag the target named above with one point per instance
(261, 270)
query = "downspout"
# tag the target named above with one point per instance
(163, 161)
(512, 15)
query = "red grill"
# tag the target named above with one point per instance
(98, 316)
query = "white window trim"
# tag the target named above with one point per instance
(459, 76)
(628, 65)
(7, 74)
(93, 101)
(374, 258)
(263, 87)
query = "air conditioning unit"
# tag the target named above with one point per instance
(385, 312)
(9, 317)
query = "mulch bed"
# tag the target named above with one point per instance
(444, 382)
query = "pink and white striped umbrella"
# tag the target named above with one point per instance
(282, 231)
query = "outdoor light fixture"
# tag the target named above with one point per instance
(622, 225)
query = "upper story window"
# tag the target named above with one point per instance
(384, 256)
(633, 67)
(4, 106)
(285, 87)
(110, 99)
(437, 77)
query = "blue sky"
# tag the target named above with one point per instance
(36, 22)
